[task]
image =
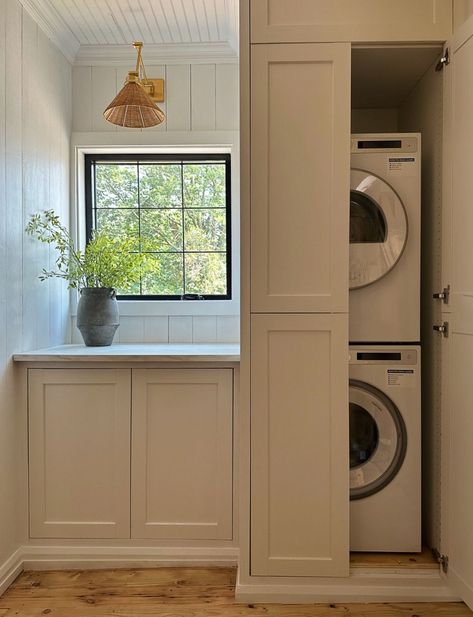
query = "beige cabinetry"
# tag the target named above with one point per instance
(276, 21)
(300, 110)
(182, 454)
(175, 482)
(299, 437)
(79, 453)
(299, 214)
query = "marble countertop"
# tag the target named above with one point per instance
(139, 352)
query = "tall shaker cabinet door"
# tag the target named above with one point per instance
(300, 168)
(299, 445)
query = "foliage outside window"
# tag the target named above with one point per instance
(175, 208)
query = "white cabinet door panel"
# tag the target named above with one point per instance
(182, 453)
(299, 445)
(459, 403)
(303, 21)
(79, 453)
(300, 143)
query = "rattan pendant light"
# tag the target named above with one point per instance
(133, 107)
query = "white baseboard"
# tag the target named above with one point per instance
(94, 557)
(362, 586)
(10, 570)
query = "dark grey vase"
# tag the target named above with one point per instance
(97, 315)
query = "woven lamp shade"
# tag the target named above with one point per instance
(133, 108)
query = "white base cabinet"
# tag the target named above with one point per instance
(182, 454)
(85, 480)
(79, 453)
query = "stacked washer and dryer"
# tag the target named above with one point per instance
(385, 394)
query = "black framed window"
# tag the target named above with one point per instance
(178, 207)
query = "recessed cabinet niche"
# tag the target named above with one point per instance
(82, 423)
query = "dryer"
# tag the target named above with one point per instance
(385, 448)
(385, 211)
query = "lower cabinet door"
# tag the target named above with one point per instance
(299, 445)
(79, 453)
(182, 453)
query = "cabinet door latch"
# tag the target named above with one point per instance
(443, 295)
(443, 329)
(444, 61)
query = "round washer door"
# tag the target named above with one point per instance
(378, 440)
(378, 228)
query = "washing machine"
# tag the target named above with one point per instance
(385, 213)
(385, 448)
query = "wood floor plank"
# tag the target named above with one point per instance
(174, 592)
(410, 561)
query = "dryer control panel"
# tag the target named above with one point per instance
(381, 144)
(407, 357)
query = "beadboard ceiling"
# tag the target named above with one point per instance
(101, 31)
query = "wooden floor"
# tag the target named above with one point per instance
(173, 592)
(410, 561)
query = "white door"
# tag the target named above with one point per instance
(459, 76)
(299, 445)
(79, 453)
(182, 454)
(300, 162)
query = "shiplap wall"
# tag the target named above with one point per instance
(201, 98)
(35, 126)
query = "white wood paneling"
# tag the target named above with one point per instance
(299, 445)
(79, 453)
(35, 124)
(178, 97)
(198, 97)
(98, 23)
(104, 90)
(203, 97)
(276, 21)
(182, 454)
(82, 98)
(227, 97)
(300, 165)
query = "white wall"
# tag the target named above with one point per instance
(35, 124)
(201, 106)
(423, 112)
(374, 120)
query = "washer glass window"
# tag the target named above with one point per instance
(378, 440)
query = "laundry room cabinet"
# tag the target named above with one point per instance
(299, 458)
(120, 453)
(299, 160)
(79, 453)
(302, 21)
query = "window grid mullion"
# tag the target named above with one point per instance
(184, 281)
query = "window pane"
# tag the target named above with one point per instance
(119, 223)
(205, 230)
(167, 277)
(160, 186)
(206, 273)
(204, 186)
(161, 230)
(132, 290)
(116, 186)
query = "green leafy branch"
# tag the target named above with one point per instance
(105, 262)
